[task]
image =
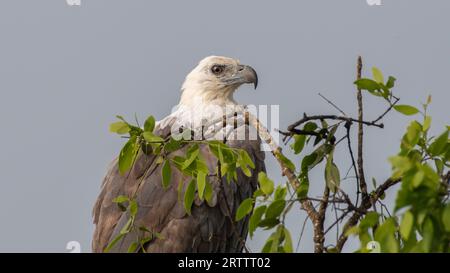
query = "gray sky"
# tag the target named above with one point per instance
(65, 72)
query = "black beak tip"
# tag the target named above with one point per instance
(255, 83)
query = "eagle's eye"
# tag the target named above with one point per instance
(217, 69)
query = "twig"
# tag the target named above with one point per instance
(387, 110)
(301, 233)
(366, 204)
(347, 127)
(332, 104)
(332, 117)
(340, 218)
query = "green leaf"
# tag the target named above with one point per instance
(119, 127)
(121, 199)
(411, 138)
(246, 171)
(428, 233)
(166, 174)
(133, 247)
(426, 123)
(438, 145)
(370, 220)
(244, 208)
(150, 137)
(268, 223)
(418, 178)
(308, 161)
(446, 218)
(287, 241)
(127, 155)
(127, 227)
(375, 93)
(332, 176)
(267, 245)
(302, 190)
(385, 235)
(265, 184)
(113, 242)
(147, 239)
(200, 165)
(413, 133)
(406, 225)
(121, 118)
(201, 183)
(275, 209)
(400, 163)
(352, 231)
(439, 165)
(149, 124)
(133, 208)
(406, 109)
(208, 193)
(246, 158)
(276, 239)
(287, 162)
(316, 157)
(258, 193)
(310, 127)
(391, 82)
(280, 193)
(255, 219)
(189, 196)
(192, 155)
(367, 84)
(172, 145)
(299, 143)
(385, 91)
(332, 132)
(377, 75)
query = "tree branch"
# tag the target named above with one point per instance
(332, 117)
(362, 179)
(366, 204)
(276, 151)
(319, 235)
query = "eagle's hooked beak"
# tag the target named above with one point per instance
(245, 74)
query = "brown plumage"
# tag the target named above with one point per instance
(211, 226)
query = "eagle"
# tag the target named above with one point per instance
(206, 95)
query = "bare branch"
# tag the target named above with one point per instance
(350, 150)
(332, 117)
(319, 236)
(362, 179)
(332, 104)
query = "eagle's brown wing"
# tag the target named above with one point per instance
(208, 229)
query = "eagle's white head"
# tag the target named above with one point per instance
(214, 81)
(207, 93)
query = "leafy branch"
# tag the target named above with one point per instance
(421, 168)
